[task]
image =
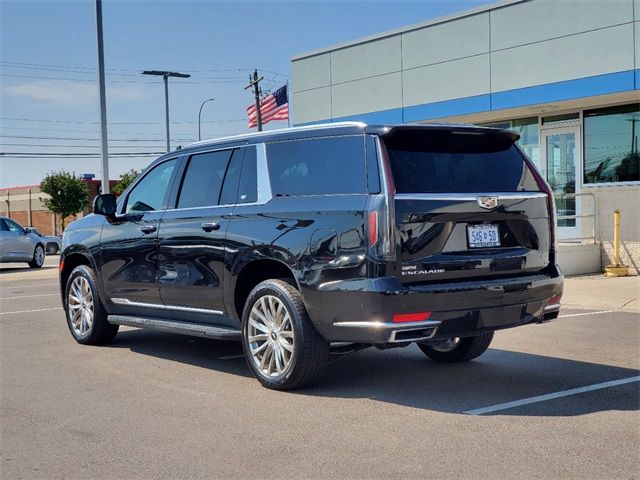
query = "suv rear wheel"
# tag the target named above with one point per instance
(86, 317)
(458, 349)
(281, 346)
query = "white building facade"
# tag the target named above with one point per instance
(564, 73)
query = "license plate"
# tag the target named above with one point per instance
(482, 236)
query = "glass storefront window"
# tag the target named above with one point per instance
(528, 130)
(611, 144)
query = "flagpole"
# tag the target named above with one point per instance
(289, 107)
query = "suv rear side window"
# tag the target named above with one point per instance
(318, 166)
(149, 193)
(445, 162)
(203, 179)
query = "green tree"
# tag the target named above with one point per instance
(69, 194)
(125, 180)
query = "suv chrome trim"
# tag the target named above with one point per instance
(470, 197)
(389, 325)
(129, 303)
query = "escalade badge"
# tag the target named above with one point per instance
(488, 202)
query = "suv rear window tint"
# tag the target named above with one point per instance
(450, 163)
(203, 179)
(318, 166)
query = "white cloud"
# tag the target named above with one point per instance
(72, 93)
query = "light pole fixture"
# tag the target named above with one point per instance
(200, 115)
(104, 145)
(165, 76)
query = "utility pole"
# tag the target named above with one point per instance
(165, 76)
(103, 102)
(253, 82)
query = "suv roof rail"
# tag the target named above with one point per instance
(315, 126)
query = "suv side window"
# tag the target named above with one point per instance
(317, 166)
(149, 193)
(203, 179)
(241, 181)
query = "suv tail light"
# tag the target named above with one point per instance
(551, 204)
(381, 213)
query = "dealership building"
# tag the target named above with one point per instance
(565, 74)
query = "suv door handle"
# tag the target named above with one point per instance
(148, 228)
(210, 226)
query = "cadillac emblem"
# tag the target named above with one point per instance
(488, 202)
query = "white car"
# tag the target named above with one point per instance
(18, 244)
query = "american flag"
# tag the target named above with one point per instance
(274, 106)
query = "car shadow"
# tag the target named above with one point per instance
(404, 376)
(196, 351)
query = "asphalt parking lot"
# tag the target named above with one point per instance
(546, 401)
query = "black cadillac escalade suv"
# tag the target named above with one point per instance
(309, 239)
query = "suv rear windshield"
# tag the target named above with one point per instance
(456, 162)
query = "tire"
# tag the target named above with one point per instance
(274, 316)
(38, 257)
(465, 349)
(81, 295)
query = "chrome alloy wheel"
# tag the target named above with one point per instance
(80, 306)
(270, 336)
(39, 255)
(447, 345)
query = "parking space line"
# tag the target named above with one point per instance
(551, 396)
(31, 296)
(27, 286)
(587, 313)
(30, 311)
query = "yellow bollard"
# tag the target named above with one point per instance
(617, 269)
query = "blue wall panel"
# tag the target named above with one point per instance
(552, 92)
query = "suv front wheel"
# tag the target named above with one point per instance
(457, 349)
(86, 317)
(281, 346)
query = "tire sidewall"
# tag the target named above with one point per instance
(35, 256)
(82, 271)
(271, 288)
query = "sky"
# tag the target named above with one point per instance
(48, 62)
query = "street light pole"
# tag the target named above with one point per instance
(165, 76)
(200, 115)
(103, 102)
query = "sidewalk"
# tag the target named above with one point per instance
(600, 292)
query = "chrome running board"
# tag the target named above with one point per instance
(171, 326)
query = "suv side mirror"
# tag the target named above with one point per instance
(105, 204)
(28, 230)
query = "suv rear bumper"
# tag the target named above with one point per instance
(362, 310)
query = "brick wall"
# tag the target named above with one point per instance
(17, 201)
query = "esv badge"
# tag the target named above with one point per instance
(488, 202)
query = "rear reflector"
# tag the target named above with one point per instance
(373, 228)
(555, 299)
(411, 317)
(61, 267)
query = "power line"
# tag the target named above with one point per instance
(229, 120)
(29, 137)
(75, 154)
(46, 145)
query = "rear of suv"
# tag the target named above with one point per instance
(321, 239)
